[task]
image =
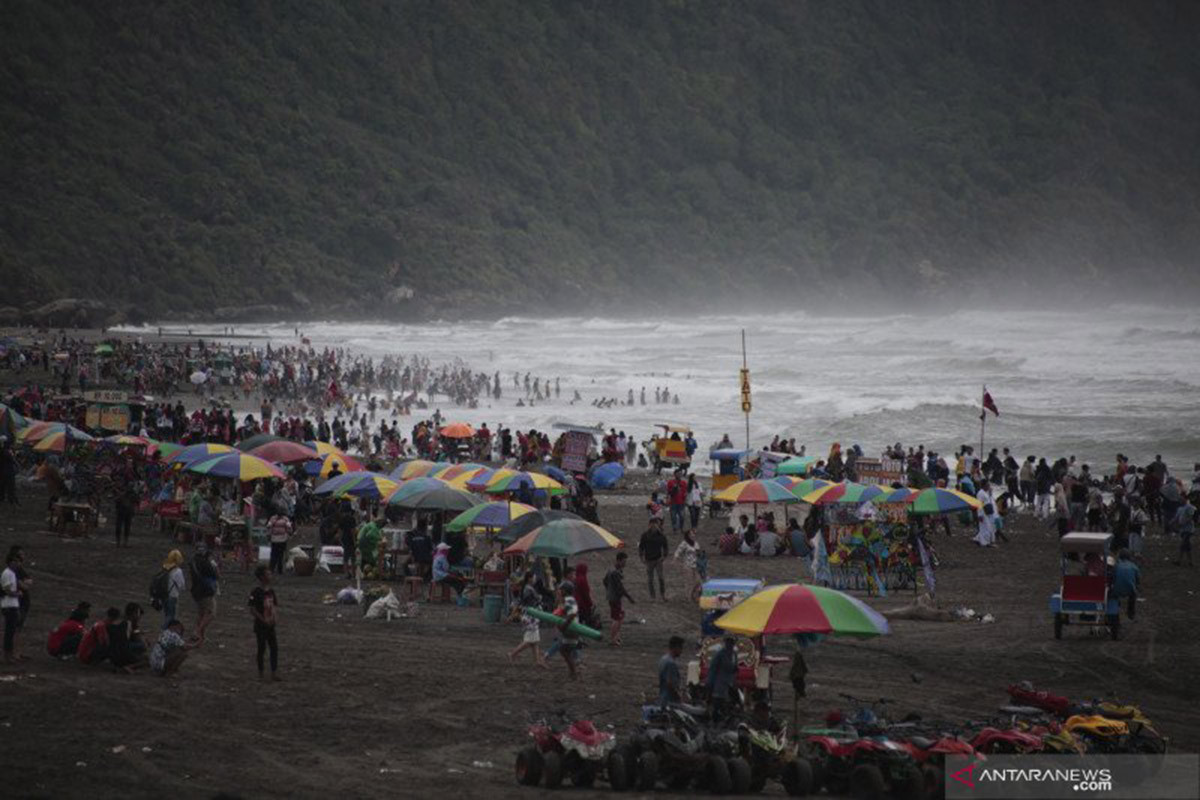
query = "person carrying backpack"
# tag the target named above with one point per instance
(167, 585)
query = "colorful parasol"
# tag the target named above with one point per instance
(942, 501)
(411, 469)
(789, 482)
(489, 515)
(457, 430)
(481, 481)
(325, 465)
(199, 452)
(455, 470)
(125, 440)
(11, 421)
(796, 465)
(357, 484)
(323, 448)
(430, 494)
(481, 475)
(164, 449)
(758, 492)
(808, 486)
(847, 492)
(239, 466)
(285, 452)
(528, 522)
(36, 431)
(58, 442)
(258, 440)
(562, 538)
(519, 480)
(903, 495)
(438, 469)
(798, 608)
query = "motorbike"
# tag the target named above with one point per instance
(579, 752)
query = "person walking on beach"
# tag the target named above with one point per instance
(652, 548)
(125, 503)
(279, 528)
(568, 640)
(10, 603)
(531, 634)
(263, 605)
(677, 495)
(688, 551)
(205, 583)
(1185, 525)
(616, 594)
(695, 499)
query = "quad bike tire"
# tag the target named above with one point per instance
(797, 777)
(552, 769)
(911, 787)
(935, 786)
(529, 766)
(583, 775)
(758, 781)
(618, 776)
(1058, 626)
(1114, 626)
(866, 783)
(647, 772)
(740, 775)
(716, 775)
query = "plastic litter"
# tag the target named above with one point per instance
(119, 749)
(483, 764)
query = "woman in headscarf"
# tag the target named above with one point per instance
(583, 595)
(176, 583)
(834, 463)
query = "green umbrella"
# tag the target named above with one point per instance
(430, 494)
(796, 465)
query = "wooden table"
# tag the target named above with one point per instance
(73, 519)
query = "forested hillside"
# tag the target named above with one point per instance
(504, 154)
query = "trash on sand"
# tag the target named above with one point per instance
(119, 748)
(455, 771)
(483, 764)
(147, 749)
(81, 763)
(9, 678)
(987, 618)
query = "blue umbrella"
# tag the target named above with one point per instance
(605, 476)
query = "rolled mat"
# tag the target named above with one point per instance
(574, 627)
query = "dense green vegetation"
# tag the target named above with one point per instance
(180, 155)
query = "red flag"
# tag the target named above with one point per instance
(988, 404)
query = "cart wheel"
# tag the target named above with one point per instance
(1058, 626)
(1114, 626)
(552, 769)
(529, 766)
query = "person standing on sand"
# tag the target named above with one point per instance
(531, 635)
(677, 495)
(986, 537)
(10, 603)
(614, 589)
(568, 641)
(652, 548)
(8, 474)
(1185, 526)
(263, 605)
(669, 680)
(205, 583)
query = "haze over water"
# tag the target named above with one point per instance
(1122, 379)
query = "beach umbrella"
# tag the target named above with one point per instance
(371, 485)
(285, 452)
(496, 514)
(58, 442)
(465, 479)
(796, 465)
(430, 494)
(239, 466)
(455, 470)
(519, 480)
(902, 495)
(808, 486)
(408, 470)
(36, 431)
(562, 538)
(605, 476)
(756, 492)
(11, 421)
(789, 482)
(529, 522)
(198, 377)
(482, 480)
(199, 452)
(103, 349)
(847, 492)
(258, 440)
(794, 608)
(323, 448)
(164, 449)
(557, 474)
(438, 469)
(457, 430)
(942, 501)
(125, 440)
(324, 465)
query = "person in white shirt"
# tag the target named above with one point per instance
(10, 603)
(986, 537)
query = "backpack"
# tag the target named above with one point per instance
(160, 589)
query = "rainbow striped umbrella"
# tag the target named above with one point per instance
(324, 466)
(455, 470)
(37, 431)
(756, 492)
(798, 608)
(808, 486)
(11, 421)
(239, 466)
(323, 448)
(438, 469)
(903, 495)
(533, 480)
(411, 469)
(562, 538)
(789, 482)
(472, 481)
(371, 485)
(942, 501)
(58, 441)
(125, 440)
(285, 452)
(258, 440)
(430, 494)
(164, 449)
(199, 452)
(796, 465)
(481, 481)
(847, 492)
(489, 515)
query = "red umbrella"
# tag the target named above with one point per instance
(285, 452)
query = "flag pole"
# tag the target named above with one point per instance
(982, 422)
(746, 388)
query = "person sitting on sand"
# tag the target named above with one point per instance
(93, 648)
(442, 575)
(64, 640)
(126, 649)
(169, 652)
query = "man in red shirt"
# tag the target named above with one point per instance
(93, 648)
(677, 490)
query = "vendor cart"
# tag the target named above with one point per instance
(670, 448)
(1084, 597)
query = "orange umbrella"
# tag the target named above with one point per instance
(457, 430)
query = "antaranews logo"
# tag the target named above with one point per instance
(1079, 780)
